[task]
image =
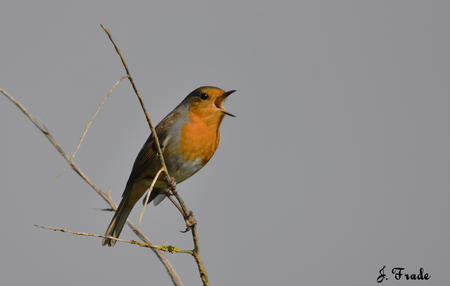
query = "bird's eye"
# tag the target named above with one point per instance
(204, 96)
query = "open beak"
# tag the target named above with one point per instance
(220, 100)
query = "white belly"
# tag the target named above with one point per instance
(185, 169)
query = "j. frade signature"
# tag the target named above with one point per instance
(400, 273)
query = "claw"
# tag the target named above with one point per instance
(168, 192)
(190, 222)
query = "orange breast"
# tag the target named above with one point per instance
(199, 138)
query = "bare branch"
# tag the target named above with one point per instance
(165, 248)
(170, 270)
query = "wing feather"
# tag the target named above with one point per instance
(147, 162)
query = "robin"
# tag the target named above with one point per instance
(189, 136)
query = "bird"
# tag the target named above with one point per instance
(189, 136)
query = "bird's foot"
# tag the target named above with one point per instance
(190, 221)
(172, 183)
(171, 188)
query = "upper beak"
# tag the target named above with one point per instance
(227, 93)
(223, 97)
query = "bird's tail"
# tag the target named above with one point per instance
(117, 222)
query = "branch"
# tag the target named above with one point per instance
(170, 270)
(188, 215)
(165, 248)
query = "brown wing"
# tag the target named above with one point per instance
(147, 162)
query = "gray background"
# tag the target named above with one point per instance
(336, 165)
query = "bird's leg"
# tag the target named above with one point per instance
(170, 196)
(188, 217)
(172, 187)
(172, 183)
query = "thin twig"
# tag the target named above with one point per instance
(170, 270)
(165, 248)
(148, 194)
(141, 101)
(187, 214)
(88, 125)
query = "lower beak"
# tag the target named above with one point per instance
(227, 113)
(223, 97)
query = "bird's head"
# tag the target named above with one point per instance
(208, 101)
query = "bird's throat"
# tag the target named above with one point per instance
(200, 137)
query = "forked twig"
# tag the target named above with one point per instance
(187, 214)
(170, 270)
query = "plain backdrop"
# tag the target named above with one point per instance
(338, 161)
